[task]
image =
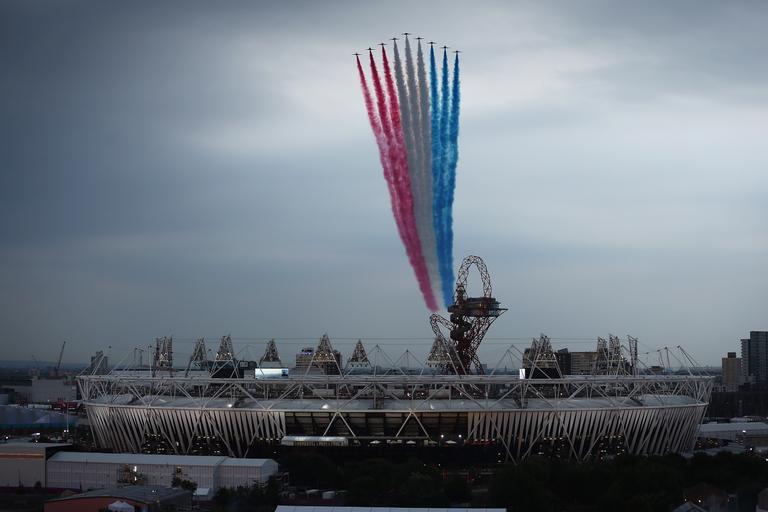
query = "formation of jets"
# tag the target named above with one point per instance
(406, 34)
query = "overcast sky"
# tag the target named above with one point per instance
(202, 168)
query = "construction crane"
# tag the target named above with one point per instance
(61, 354)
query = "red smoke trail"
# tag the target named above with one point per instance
(382, 143)
(397, 156)
(394, 107)
(401, 177)
(403, 181)
(384, 136)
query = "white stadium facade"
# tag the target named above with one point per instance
(579, 417)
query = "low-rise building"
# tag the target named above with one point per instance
(23, 463)
(751, 433)
(18, 419)
(42, 390)
(137, 498)
(709, 497)
(83, 470)
(234, 472)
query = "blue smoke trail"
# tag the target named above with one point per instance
(443, 249)
(425, 222)
(437, 156)
(453, 158)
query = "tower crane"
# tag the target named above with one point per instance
(61, 354)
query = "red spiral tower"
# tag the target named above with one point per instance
(470, 318)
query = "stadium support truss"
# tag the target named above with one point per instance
(579, 417)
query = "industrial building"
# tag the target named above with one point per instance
(752, 433)
(16, 418)
(85, 470)
(23, 463)
(42, 391)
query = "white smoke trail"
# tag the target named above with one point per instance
(424, 215)
(413, 106)
(421, 173)
(405, 114)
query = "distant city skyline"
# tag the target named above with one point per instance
(197, 169)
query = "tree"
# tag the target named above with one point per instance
(312, 470)
(420, 490)
(222, 498)
(457, 490)
(188, 485)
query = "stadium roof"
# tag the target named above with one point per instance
(426, 405)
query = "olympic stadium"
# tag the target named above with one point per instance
(233, 407)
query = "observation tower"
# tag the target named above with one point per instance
(470, 318)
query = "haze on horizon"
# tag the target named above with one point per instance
(196, 169)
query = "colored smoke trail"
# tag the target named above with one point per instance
(414, 115)
(450, 186)
(421, 176)
(404, 181)
(405, 109)
(441, 204)
(402, 198)
(413, 106)
(437, 156)
(396, 146)
(424, 215)
(380, 142)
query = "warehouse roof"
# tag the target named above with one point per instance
(140, 493)
(13, 445)
(137, 458)
(744, 427)
(166, 460)
(235, 461)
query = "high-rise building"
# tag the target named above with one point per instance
(582, 363)
(99, 364)
(754, 357)
(572, 363)
(732, 374)
(564, 361)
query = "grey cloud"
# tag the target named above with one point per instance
(189, 169)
